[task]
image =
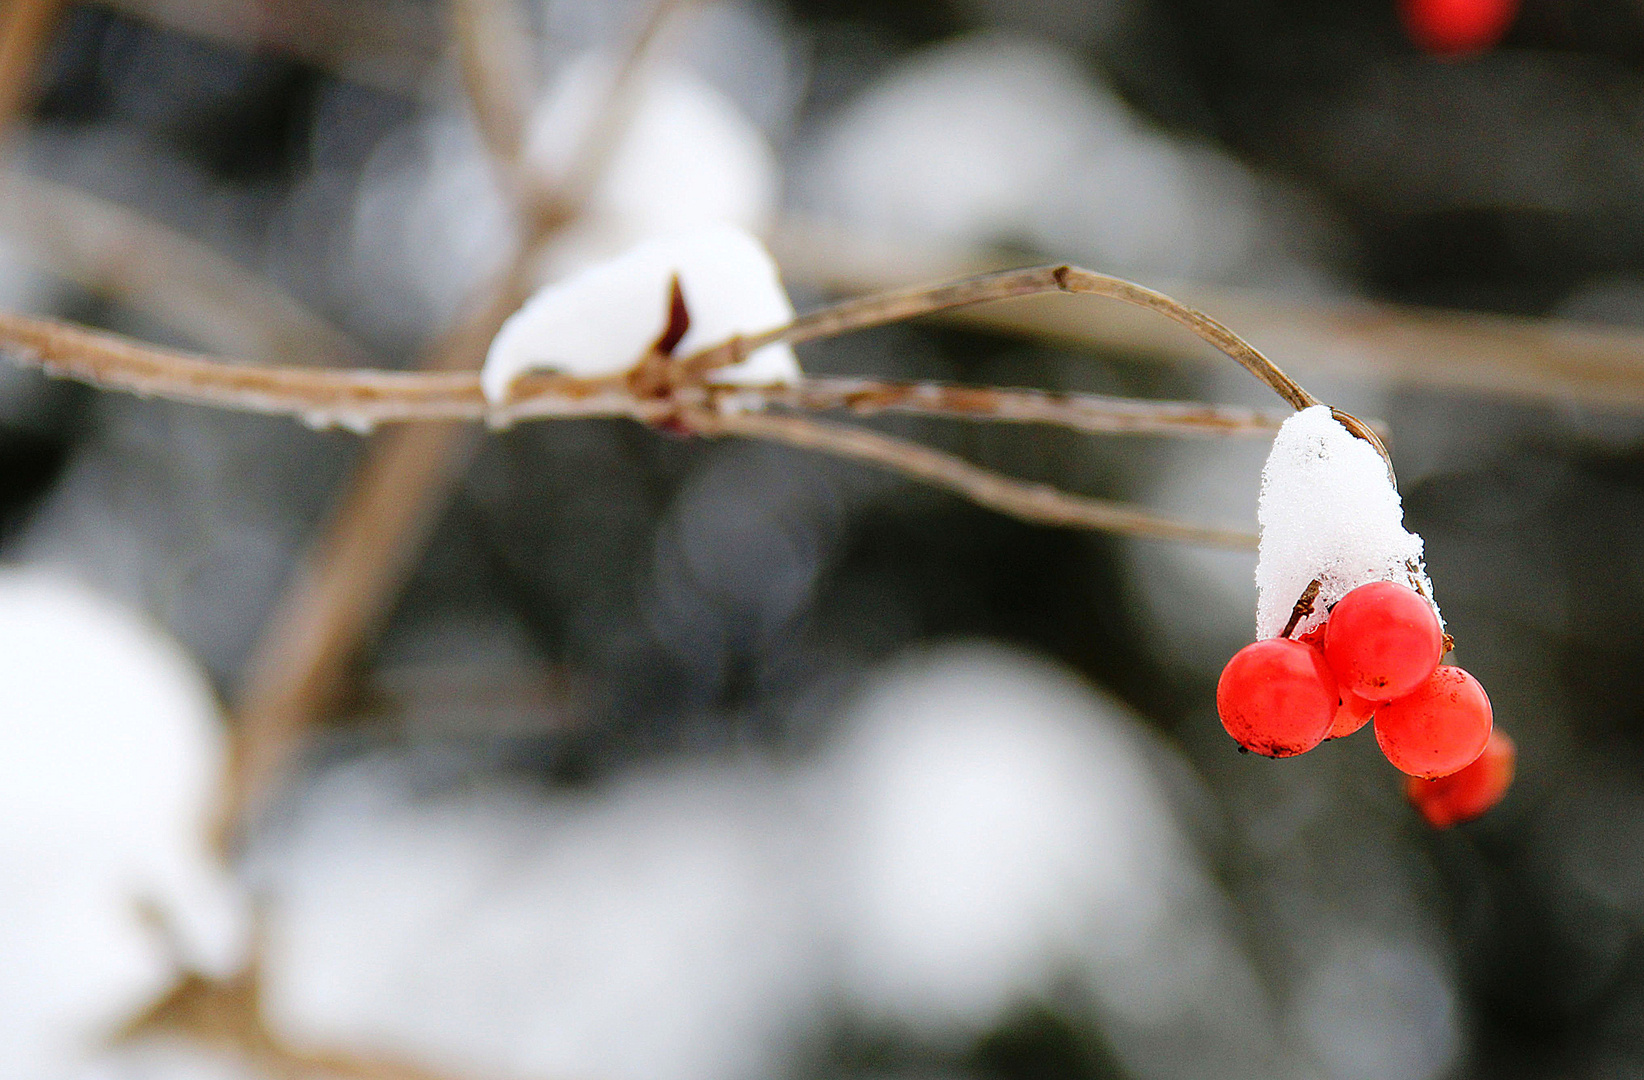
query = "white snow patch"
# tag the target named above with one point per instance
(109, 752)
(653, 931)
(1328, 510)
(601, 320)
(994, 818)
(987, 831)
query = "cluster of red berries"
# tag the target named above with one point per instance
(1377, 655)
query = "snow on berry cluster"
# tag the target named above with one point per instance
(1347, 630)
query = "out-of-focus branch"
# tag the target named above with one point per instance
(115, 252)
(610, 124)
(364, 399)
(1038, 503)
(341, 594)
(497, 77)
(1544, 359)
(25, 27)
(388, 44)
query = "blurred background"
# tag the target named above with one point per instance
(609, 754)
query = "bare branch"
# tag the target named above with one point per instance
(341, 594)
(1039, 503)
(361, 400)
(388, 44)
(115, 252)
(567, 197)
(1004, 284)
(1537, 358)
(1093, 413)
(496, 75)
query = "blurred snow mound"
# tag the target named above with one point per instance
(1002, 836)
(985, 830)
(432, 222)
(996, 139)
(112, 744)
(995, 820)
(1328, 510)
(652, 931)
(602, 320)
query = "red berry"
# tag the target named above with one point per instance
(1383, 640)
(1353, 713)
(1439, 728)
(1277, 697)
(1463, 796)
(1457, 27)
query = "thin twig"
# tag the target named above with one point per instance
(1039, 503)
(1004, 284)
(566, 197)
(341, 594)
(1092, 413)
(1529, 357)
(391, 45)
(116, 252)
(364, 399)
(497, 80)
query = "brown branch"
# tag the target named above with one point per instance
(1535, 358)
(1039, 503)
(25, 29)
(1093, 413)
(1004, 284)
(115, 252)
(496, 75)
(392, 45)
(341, 594)
(362, 400)
(557, 204)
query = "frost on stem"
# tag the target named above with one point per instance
(1328, 512)
(603, 320)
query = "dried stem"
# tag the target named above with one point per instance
(115, 252)
(392, 45)
(1038, 503)
(496, 76)
(567, 197)
(1536, 358)
(1303, 607)
(338, 596)
(365, 399)
(1004, 284)
(341, 594)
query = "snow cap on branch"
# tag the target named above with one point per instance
(603, 320)
(1328, 511)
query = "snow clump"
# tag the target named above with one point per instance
(602, 320)
(111, 748)
(1328, 510)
